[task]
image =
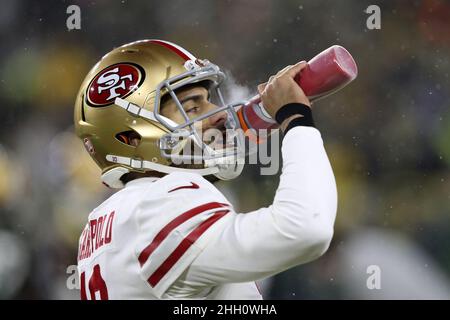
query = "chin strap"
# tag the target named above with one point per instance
(111, 178)
(144, 164)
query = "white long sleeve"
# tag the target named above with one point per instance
(295, 229)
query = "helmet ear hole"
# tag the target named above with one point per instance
(130, 138)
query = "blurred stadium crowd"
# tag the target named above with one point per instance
(387, 134)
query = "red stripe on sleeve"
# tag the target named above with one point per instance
(145, 254)
(184, 245)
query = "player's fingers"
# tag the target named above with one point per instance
(291, 69)
(283, 70)
(295, 69)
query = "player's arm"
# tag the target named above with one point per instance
(296, 228)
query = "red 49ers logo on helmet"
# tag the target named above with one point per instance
(116, 81)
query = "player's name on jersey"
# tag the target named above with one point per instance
(96, 234)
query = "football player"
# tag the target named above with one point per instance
(168, 233)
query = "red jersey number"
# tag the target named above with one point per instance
(96, 284)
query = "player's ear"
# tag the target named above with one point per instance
(134, 138)
(130, 138)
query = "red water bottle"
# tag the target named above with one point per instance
(325, 74)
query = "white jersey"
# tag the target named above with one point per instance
(178, 237)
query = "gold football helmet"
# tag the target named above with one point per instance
(122, 93)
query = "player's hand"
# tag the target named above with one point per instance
(282, 89)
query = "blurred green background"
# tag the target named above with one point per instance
(387, 134)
